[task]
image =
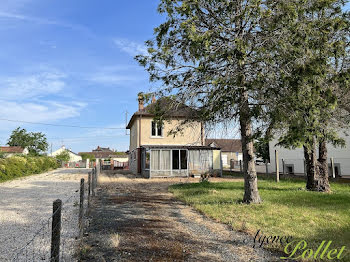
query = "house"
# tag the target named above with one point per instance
(73, 156)
(231, 150)
(292, 160)
(154, 152)
(108, 157)
(9, 151)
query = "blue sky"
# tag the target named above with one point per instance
(71, 62)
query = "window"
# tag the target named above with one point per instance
(157, 129)
(179, 159)
(147, 159)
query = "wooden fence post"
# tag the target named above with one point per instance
(81, 208)
(56, 231)
(89, 189)
(277, 167)
(333, 167)
(283, 167)
(240, 166)
(93, 179)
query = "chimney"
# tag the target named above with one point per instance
(141, 100)
(153, 99)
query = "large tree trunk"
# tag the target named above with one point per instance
(311, 163)
(321, 180)
(316, 169)
(251, 193)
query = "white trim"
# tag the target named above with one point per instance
(156, 127)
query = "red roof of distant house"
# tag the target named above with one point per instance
(12, 149)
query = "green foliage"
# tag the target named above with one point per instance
(2, 154)
(63, 156)
(261, 146)
(35, 142)
(86, 156)
(19, 166)
(312, 60)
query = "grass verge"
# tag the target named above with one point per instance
(287, 210)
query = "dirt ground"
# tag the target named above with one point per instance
(134, 219)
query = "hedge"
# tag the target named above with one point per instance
(19, 166)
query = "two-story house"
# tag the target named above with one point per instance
(154, 152)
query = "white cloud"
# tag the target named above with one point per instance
(38, 112)
(130, 47)
(44, 21)
(116, 75)
(31, 86)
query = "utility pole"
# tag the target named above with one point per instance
(126, 121)
(51, 148)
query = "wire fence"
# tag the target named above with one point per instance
(59, 235)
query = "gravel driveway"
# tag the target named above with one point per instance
(139, 220)
(25, 209)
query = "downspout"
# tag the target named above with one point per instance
(139, 167)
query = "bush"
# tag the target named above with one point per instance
(19, 166)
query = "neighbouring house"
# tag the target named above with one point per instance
(110, 158)
(154, 152)
(231, 150)
(292, 160)
(73, 156)
(9, 151)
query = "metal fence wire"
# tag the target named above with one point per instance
(42, 246)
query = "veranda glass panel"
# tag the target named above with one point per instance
(183, 156)
(155, 161)
(176, 160)
(165, 160)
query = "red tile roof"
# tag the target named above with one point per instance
(12, 149)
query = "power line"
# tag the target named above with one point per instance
(73, 126)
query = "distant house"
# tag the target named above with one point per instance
(108, 157)
(13, 150)
(231, 149)
(154, 152)
(73, 156)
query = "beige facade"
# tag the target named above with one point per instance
(190, 135)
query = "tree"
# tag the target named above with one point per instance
(63, 156)
(86, 156)
(308, 47)
(211, 55)
(36, 143)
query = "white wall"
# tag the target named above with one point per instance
(296, 156)
(73, 157)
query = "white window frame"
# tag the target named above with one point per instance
(156, 126)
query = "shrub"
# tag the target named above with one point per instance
(19, 166)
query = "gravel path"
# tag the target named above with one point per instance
(139, 220)
(25, 209)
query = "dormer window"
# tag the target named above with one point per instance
(157, 129)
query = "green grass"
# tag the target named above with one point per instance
(287, 209)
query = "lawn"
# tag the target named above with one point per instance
(287, 209)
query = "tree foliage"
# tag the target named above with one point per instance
(36, 143)
(63, 156)
(85, 156)
(312, 62)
